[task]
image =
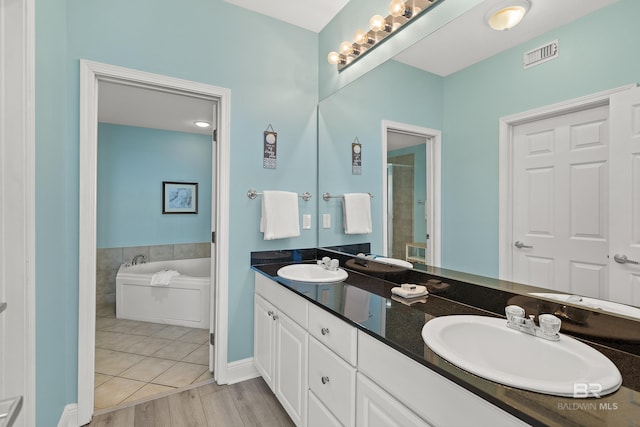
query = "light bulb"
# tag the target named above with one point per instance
(377, 23)
(202, 124)
(507, 16)
(346, 48)
(360, 36)
(333, 58)
(396, 8)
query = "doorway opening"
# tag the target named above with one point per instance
(411, 196)
(95, 77)
(152, 330)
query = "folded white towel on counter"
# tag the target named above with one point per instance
(357, 213)
(280, 218)
(409, 301)
(163, 277)
(409, 290)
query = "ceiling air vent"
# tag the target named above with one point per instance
(541, 54)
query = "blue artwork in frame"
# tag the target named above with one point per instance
(179, 197)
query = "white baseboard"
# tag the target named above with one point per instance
(241, 370)
(69, 416)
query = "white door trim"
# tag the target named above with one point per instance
(434, 143)
(90, 74)
(507, 124)
(17, 205)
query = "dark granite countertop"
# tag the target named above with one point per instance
(398, 325)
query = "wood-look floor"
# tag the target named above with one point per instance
(249, 403)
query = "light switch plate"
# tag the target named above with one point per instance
(306, 222)
(326, 220)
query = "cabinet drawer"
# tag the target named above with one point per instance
(319, 415)
(333, 332)
(431, 396)
(333, 381)
(285, 300)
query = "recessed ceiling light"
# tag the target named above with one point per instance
(507, 14)
(202, 124)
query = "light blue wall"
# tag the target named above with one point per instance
(56, 220)
(273, 79)
(419, 187)
(132, 164)
(596, 54)
(392, 91)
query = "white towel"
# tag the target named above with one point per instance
(409, 290)
(357, 213)
(163, 277)
(356, 304)
(280, 217)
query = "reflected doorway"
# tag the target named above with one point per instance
(411, 159)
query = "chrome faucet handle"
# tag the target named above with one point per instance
(514, 313)
(549, 324)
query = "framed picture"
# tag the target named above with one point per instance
(179, 197)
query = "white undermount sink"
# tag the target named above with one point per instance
(487, 348)
(312, 273)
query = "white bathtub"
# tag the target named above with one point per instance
(184, 302)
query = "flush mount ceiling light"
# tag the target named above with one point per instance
(401, 12)
(508, 14)
(202, 124)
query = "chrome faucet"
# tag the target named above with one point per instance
(549, 324)
(329, 264)
(138, 259)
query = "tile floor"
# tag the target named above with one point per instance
(137, 360)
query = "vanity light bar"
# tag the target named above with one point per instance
(400, 13)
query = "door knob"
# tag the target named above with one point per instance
(521, 245)
(622, 259)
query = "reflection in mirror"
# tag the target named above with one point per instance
(467, 105)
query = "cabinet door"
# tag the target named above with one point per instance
(377, 408)
(264, 339)
(319, 415)
(291, 368)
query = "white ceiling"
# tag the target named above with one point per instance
(457, 45)
(135, 106)
(312, 15)
(468, 39)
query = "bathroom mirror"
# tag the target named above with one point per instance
(466, 106)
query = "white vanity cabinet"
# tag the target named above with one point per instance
(281, 346)
(327, 373)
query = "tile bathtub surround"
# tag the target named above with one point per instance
(108, 261)
(136, 360)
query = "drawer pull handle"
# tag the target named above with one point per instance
(325, 331)
(325, 380)
(270, 313)
(275, 317)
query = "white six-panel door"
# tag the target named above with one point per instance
(576, 201)
(560, 202)
(625, 197)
